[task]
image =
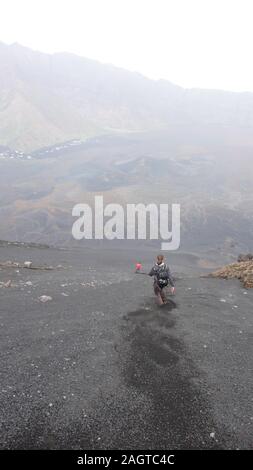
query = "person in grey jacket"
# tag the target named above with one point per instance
(162, 277)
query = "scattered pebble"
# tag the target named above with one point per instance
(6, 284)
(27, 264)
(45, 298)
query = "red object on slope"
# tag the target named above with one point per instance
(138, 267)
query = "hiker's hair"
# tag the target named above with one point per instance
(160, 257)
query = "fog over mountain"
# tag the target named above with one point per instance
(71, 128)
(47, 99)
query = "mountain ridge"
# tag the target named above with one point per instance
(50, 98)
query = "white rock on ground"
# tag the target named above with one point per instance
(27, 264)
(45, 298)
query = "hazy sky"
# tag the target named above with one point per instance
(194, 43)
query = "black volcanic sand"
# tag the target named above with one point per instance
(102, 367)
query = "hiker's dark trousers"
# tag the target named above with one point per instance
(159, 293)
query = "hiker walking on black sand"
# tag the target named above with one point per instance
(162, 277)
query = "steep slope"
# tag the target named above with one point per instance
(48, 99)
